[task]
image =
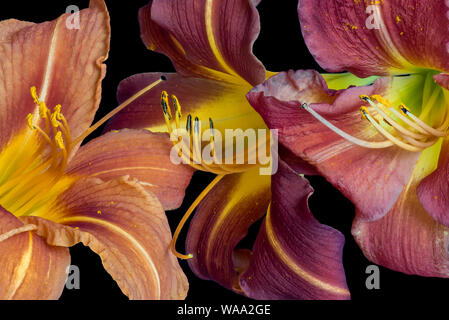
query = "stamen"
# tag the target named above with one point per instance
(34, 95)
(196, 141)
(29, 119)
(190, 151)
(178, 113)
(165, 105)
(166, 110)
(187, 215)
(115, 111)
(421, 123)
(341, 133)
(59, 140)
(34, 127)
(189, 124)
(386, 134)
(389, 120)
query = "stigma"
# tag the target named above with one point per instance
(397, 125)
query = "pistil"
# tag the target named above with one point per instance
(411, 134)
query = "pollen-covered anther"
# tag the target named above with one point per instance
(363, 111)
(59, 140)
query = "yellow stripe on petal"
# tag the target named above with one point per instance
(213, 43)
(309, 277)
(125, 234)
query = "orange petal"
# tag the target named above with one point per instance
(126, 226)
(221, 221)
(140, 154)
(64, 64)
(29, 268)
(9, 27)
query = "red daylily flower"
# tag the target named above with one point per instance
(210, 45)
(392, 162)
(109, 194)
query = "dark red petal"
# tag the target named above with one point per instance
(224, 103)
(407, 239)
(341, 35)
(221, 221)
(433, 191)
(295, 257)
(442, 79)
(354, 170)
(208, 39)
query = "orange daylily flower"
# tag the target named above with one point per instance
(109, 194)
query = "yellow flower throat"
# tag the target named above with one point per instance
(35, 160)
(33, 164)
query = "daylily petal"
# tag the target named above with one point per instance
(9, 27)
(295, 257)
(126, 226)
(433, 191)
(29, 268)
(222, 219)
(442, 79)
(354, 170)
(65, 65)
(376, 38)
(140, 154)
(224, 103)
(407, 239)
(205, 38)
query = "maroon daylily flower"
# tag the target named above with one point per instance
(109, 194)
(392, 162)
(210, 44)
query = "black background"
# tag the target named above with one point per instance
(280, 47)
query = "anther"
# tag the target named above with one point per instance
(54, 121)
(365, 98)
(59, 140)
(164, 97)
(211, 125)
(363, 111)
(196, 126)
(189, 124)
(34, 95)
(176, 104)
(30, 121)
(404, 109)
(381, 100)
(165, 106)
(177, 107)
